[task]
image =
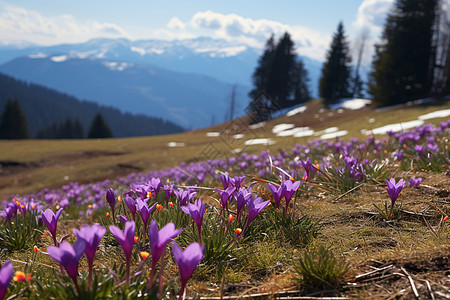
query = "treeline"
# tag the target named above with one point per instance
(50, 114)
(411, 61)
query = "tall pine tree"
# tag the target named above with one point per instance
(99, 128)
(13, 123)
(280, 75)
(335, 81)
(403, 64)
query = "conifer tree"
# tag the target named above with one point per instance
(77, 130)
(335, 81)
(99, 128)
(280, 75)
(262, 71)
(403, 64)
(13, 123)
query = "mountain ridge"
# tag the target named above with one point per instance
(44, 106)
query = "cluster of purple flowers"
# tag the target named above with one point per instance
(420, 143)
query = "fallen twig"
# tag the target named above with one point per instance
(349, 191)
(430, 290)
(414, 213)
(371, 273)
(447, 296)
(411, 282)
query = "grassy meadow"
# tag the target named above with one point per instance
(337, 237)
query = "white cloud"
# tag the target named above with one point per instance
(18, 24)
(369, 22)
(372, 14)
(176, 23)
(246, 31)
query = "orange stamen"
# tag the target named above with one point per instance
(20, 276)
(144, 254)
(230, 218)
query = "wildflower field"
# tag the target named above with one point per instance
(356, 218)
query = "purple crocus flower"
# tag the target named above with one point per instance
(420, 149)
(225, 180)
(237, 181)
(254, 208)
(8, 213)
(92, 236)
(125, 239)
(155, 186)
(68, 257)
(184, 196)
(307, 165)
(123, 219)
(242, 198)
(196, 210)
(51, 221)
(187, 261)
(225, 196)
(278, 193)
(144, 211)
(111, 199)
(160, 238)
(158, 242)
(6, 273)
(290, 189)
(394, 190)
(168, 191)
(131, 203)
(414, 182)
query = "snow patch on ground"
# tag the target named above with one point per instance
(395, 127)
(238, 136)
(213, 134)
(326, 131)
(304, 133)
(295, 111)
(175, 144)
(351, 104)
(334, 134)
(436, 114)
(265, 141)
(297, 132)
(257, 125)
(282, 127)
(60, 58)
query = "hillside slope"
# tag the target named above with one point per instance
(43, 106)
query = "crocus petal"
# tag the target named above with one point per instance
(188, 259)
(6, 274)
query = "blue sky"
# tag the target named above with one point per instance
(311, 23)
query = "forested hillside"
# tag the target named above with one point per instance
(44, 107)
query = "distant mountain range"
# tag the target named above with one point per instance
(188, 81)
(43, 107)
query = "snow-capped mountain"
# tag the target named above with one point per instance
(226, 61)
(190, 100)
(187, 81)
